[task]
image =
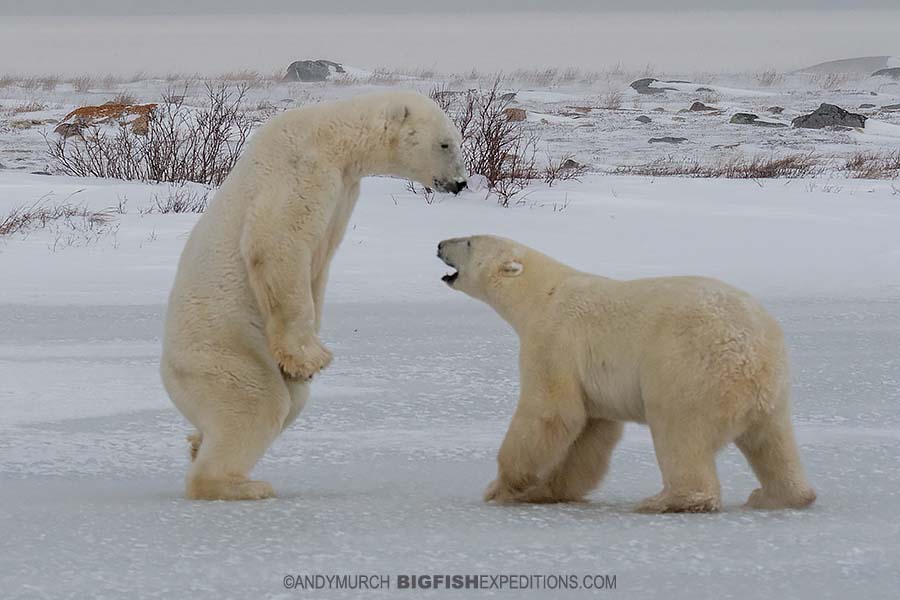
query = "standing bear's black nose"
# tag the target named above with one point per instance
(458, 186)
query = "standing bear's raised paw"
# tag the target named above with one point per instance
(302, 360)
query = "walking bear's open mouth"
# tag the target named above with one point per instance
(449, 278)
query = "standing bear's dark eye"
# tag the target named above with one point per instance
(445, 146)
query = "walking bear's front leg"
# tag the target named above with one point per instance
(548, 420)
(279, 269)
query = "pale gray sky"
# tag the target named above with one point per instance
(122, 7)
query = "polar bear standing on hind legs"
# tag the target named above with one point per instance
(700, 362)
(241, 337)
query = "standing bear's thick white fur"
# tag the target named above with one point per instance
(700, 362)
(241, 337)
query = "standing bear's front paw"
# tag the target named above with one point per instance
(302, 360)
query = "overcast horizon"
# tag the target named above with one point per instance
(671, 42)
(166, 7)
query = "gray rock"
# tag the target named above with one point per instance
(700, 107)
(642, 86)
(829, 115)
(867, 105)
(312, 70)
(508, 97)
(776, 110)
(643, 119)
(751, 119)
(704, 89)
(667, 140)
(892, 72)
(891, 107)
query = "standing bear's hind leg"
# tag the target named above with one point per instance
(235, 435)
(771, 450)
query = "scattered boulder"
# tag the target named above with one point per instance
(725, 146)
(659, 109)
(136, 116)
(515, 114)
(679, 119)
(508, 97)
(892, 72)
(643, 119)
(867, 105)
(700, 107)
(751, 119)
(642, 86)
(891, 107)
(829, 115)
(570, 164)
(312, 70)
(704, 89)
(667, 140)
(776, 110)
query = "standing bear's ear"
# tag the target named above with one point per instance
(511, 268)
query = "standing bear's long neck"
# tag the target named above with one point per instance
(362, 135)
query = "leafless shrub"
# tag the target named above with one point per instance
(126, 98)
(831, 81)
(564, 169)
(768, 78)
(26, 107)
(426, 192)
(612, 100)
(181, 143)
(46, 83)
(82, 83)
(873, 165)
(180, 199)
(502, 150)
(109, 81)
(792, 166)
(7, 80)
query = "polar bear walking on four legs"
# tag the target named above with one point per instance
(241, 337)
(700, 362)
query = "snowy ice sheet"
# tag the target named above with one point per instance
(384, 471)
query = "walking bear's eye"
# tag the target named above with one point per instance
(445, 146)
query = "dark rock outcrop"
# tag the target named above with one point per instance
(829, 115)
(892, 72)
(667, 140)
(643, 119)
(312, 70)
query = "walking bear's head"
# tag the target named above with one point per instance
(486, 267)
(424, 142)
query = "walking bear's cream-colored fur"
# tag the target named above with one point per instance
(700, 362)
(241, 339)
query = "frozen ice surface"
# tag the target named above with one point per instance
(384, 471)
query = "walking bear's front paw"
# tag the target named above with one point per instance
(500, 492)
(302, 360)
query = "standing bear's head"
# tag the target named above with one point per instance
(423, 142)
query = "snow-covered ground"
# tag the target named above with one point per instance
(383, 472)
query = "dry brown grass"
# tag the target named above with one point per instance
(792, 166)
(40, 216)
(26, 107)
(874, 165)
(125, 98)
(768, 78)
